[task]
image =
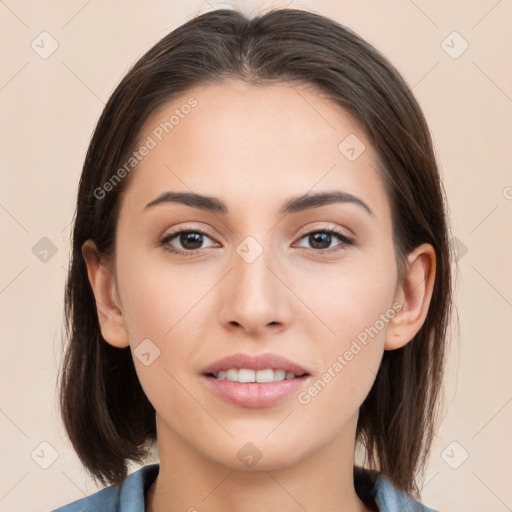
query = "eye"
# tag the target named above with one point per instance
(190, 241)
(320, 240)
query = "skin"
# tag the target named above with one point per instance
(253, 148)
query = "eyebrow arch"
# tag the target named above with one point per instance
(292, 205)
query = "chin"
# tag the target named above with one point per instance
(260, 455)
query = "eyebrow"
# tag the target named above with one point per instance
(292, 205)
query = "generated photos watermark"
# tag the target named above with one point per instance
(361, 341)
(151, 142)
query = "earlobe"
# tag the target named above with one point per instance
(414, 293)
(110, 316)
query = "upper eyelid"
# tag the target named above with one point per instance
(192, 229)
(301, 233)
(326, 227)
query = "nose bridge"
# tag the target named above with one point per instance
(255, 296)
(252, 276)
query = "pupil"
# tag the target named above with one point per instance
(321, 238)
(189, 238)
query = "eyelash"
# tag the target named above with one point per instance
(346, 240)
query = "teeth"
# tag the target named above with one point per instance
(280, 374)
(248, 375)
(232, 374)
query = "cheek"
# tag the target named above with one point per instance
(155, 296)
(350, 357)
(161, 304)
(355, 305)
(157, 307)
(351, 297)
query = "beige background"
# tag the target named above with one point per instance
(49, 108)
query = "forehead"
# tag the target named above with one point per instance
(247, 143)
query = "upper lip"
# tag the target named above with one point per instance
(254, 362)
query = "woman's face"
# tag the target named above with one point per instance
(259, 280)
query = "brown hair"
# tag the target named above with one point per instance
(106, 414)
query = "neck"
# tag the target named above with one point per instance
(322, 481)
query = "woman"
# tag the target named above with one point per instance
(260, 277)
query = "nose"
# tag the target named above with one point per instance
(254, 296)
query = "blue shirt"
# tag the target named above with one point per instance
(129, 495)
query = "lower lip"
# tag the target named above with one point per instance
(254, 394)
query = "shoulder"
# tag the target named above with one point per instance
(125, 497)
(385, 495)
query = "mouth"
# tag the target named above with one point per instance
(254, 381)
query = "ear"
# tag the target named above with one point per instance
(414, 293)
(103, 284)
